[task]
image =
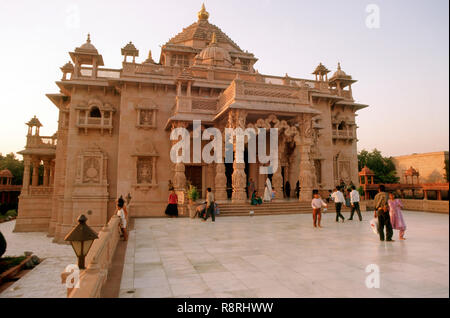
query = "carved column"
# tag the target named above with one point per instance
(307, 175)
(26, 174)
(220, 183)
(46, 180)
(179, 177)
(35, 177)
(238, 177)
(277, 179)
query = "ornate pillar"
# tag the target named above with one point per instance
(238, 177)
(307, 175)
(277, 179)
(35, 177)
(179, 178)
(26, 174)
(220, 183)
(46, 181)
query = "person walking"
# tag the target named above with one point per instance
(172, 206)
(317, 204)
(120, 212)
(210, 205)
(382, 213)
(396, 215)
(338, 199)
(287, 189)
(354, 202)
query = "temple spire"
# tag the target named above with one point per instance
(203, 14)
(213, 38)
(88, 38)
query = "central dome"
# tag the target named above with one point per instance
(213, 54)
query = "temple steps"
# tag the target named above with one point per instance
(273, 208)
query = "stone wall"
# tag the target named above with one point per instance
(98, 262)
(429, 165)
(419, 205)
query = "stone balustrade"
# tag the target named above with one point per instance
(98, 262)
(436, 206)
(41, 141)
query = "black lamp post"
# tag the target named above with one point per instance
(81, 238)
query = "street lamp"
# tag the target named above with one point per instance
(81, 238)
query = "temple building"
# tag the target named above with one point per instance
(114, 127)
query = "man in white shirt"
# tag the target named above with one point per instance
(338, 199)
(354, 201)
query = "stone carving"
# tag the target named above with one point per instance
(179, 180)
(91, 170)
(220, 182)
(344, 171)
(238, 182)
(146, 117)
(144, 170)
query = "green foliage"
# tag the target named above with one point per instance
(2, 244)
(9, 262)
(192, 193)
(361, 191)
(12, 213)
(383, 167)
(447, 174)
(14, 165)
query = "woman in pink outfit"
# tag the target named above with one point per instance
(395, 212)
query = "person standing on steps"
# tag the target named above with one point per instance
(339, 200)
(287, 189)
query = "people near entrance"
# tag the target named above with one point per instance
(172, 207)
(329, 198)
(256, 199)
(210, 205)
(396, 215)
(287, 189)
(338, 199)
(382, 213)
(354, 202)
(268, 191)
(274, 193)
(120, 212)
(297, 189)
(251, 187)
(317, 203)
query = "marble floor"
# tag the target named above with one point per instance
(44, 281)
(284, 256)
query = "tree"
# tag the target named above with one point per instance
(14, 165)
(447, 174)
(383, 167)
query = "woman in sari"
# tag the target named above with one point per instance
(256, 200)
(268, 191)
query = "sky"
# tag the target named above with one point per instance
(397, 50)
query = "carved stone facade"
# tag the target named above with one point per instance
(114, 130)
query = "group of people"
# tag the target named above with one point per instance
(269, 193)
(388, 210)
(172, 206)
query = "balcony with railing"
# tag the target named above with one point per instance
(37, 141)
(343, 134)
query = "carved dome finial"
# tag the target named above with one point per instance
(203, 14)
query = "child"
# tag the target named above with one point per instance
(317, 204)
(396, 215)
(273, 193)
(123, 219)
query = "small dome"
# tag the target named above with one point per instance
(213, 54)
(366, 172)
(6, 174)
(87, 47)
(340, 73)
(203, 14)
(68, 67)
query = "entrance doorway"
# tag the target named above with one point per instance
(194, 175)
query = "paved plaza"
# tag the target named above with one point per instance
(284, 256)
(44, 281)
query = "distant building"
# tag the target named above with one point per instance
(430, 166)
